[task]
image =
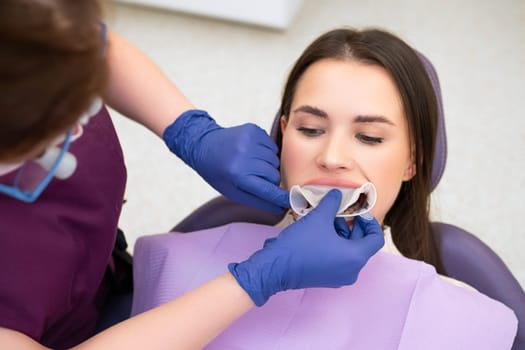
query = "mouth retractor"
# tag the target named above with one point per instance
(354, 202)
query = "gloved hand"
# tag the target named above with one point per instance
(240, 162)
(315, 251)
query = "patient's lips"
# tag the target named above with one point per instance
(356, 200)
(331, 182)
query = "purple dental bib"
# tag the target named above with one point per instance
(396, 303)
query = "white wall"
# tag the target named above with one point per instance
(236, 73)
(275, 14)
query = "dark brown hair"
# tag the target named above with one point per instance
(409, 215)
(51, 67)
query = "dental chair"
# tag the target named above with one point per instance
(464, 256)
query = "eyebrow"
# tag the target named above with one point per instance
(372, 119)
(358, 119)
(312, 110)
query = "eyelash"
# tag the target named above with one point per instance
(310, 132)
(369, 139)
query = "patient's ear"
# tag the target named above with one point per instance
(284, 123)
(410, 170)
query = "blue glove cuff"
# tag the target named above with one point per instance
(247, 282)
(187, 130)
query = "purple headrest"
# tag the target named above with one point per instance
(440, 157)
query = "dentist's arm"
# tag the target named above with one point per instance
(138, 89)
(240, 162)
(188, 322)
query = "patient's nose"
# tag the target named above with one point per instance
(334, 155)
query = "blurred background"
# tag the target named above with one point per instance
(234, 63)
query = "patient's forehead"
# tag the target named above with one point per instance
(354, 87)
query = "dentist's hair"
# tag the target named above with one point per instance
(409, 215)
(51, 68)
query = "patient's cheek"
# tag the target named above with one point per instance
(293, 163)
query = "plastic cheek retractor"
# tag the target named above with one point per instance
(354, 201)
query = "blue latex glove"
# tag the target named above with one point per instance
(240, 162)
(315, 251)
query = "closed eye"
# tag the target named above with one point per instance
(369, 140)
(310, 132)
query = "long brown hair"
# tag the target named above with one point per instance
(409, 215)
(51, 67)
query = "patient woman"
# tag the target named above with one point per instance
(357, 107)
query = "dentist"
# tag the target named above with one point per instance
(62, 180)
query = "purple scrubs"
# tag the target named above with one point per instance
(54, 252)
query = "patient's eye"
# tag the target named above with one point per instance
(369, 139)
(310, 132)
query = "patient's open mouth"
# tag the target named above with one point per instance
(355, 201)
(358, 205)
